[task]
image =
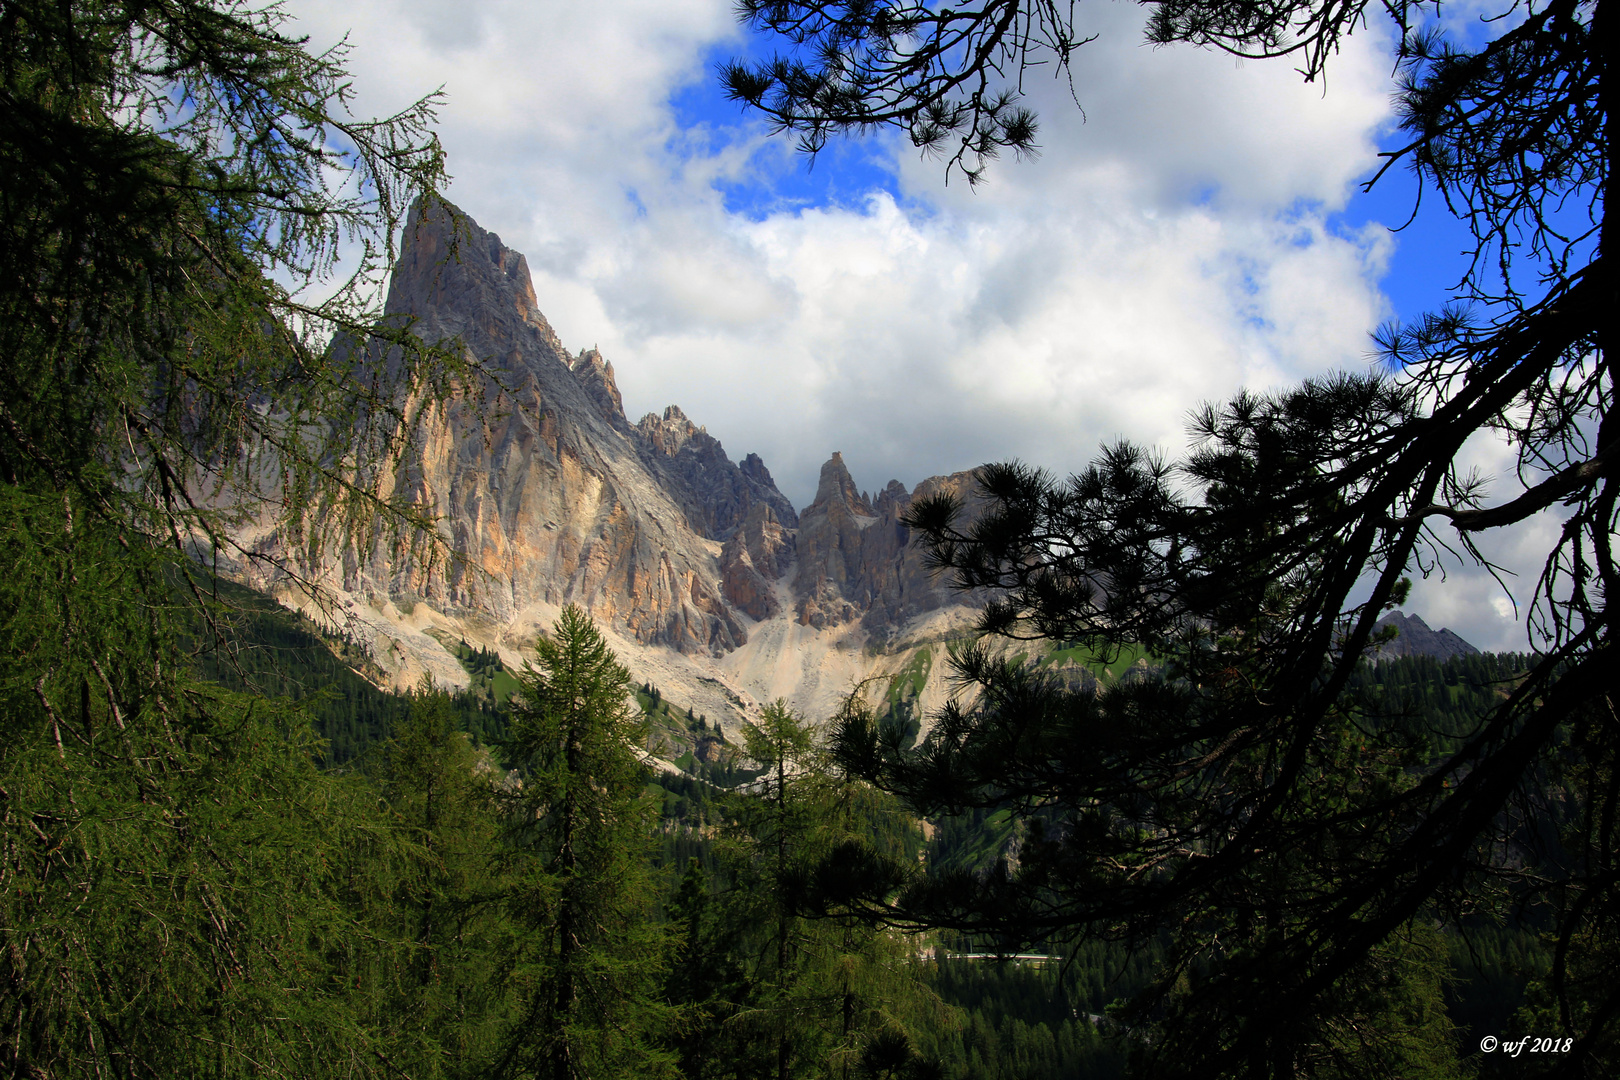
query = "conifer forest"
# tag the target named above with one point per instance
(1259, 849)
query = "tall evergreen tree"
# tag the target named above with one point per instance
(589, 960)
(780, 827)
(435, 886)
(168, 895)
(710, 980)
(829, 988)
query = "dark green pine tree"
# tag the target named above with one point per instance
(588, 959)
(779, 827)
(1236, 788)
(171, 891)
(831, 993)
(709, 979)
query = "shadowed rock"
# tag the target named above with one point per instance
(716, 494)
(1414, 638)
(855, 559)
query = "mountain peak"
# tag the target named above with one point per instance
(1414, 638)
(716, 494)
(836, 486)
(668, 434)
(595, 373)
(462, 273)
(551, 496)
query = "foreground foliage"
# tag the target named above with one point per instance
(186, 893)
(588, 961)
(1287, 835)
(175, 177)
(408, 917)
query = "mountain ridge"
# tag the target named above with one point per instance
(707, 579)
(1414, 638)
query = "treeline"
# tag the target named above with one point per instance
(322, 879)
(277, 653)
(1438, 701)
(768, 975)
(984, 1017)
(727, 954)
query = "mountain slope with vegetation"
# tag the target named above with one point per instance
(708, 826)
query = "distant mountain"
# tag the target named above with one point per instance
(1414, 638)
(708, 582)
(711, 585)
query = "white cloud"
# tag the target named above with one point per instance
(1166, 248)
(1490, 611)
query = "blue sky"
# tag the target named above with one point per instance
(843, 174)
(1198, 230)
(1430, 244)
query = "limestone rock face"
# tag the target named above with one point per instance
(716, 494)
(595, 374)
(757, 555)
(705, 578)
(1414, 638)
(827, 585)
(854, 556)
(544, 491)
(753, 467)
(894, 576)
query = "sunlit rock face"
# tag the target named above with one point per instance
(706, 579)
(595, 374)
(550, 496)
(544, 489)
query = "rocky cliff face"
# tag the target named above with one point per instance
(855, 558)
(699, 568)
(549, 494)
(1414, 638)
(757, 555)
(595, 374)
(716, 494)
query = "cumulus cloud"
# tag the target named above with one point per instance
(1489, 609)
(1173, 241)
